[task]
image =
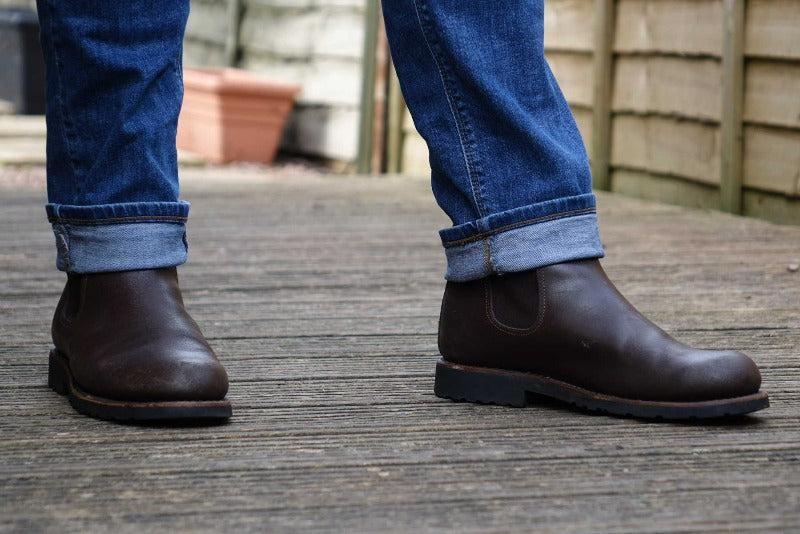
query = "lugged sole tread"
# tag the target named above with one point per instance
(461, 382)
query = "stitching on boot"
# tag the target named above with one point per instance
(490, 315)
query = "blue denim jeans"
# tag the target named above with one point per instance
(114, 91)
(508, 165)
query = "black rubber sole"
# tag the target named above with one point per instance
(512, 388)
(60, 380)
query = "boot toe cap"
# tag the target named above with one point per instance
(725, 375)
(190, 380)
(176, 377)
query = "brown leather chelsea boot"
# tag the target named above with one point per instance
(564, 331)
(125, 348)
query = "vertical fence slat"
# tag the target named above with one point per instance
(232, 37)
(380, 99)
(394, 136)
(601, 119)
(732, 105)
(369, 66)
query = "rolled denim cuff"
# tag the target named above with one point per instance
(119, 237)
(523, 238)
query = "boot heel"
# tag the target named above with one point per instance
(57, 374)
(472, 384)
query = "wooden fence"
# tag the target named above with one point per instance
(694, 102)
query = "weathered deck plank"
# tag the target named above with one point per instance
(321, 296)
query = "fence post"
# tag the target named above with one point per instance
(232, 37)
(395, 135)
(603, 77)
(733, 15)
(369, 66)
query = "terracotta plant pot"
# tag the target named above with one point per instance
(233, 115)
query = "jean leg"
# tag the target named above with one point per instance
(114, 90)
(508, 164)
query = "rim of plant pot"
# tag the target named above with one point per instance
(225, 80)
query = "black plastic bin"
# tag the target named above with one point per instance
(21, 61)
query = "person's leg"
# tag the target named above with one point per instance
(113, 96)
(527, 307)
(114, 92)
(508, 164)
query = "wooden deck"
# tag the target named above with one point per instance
(321, 296)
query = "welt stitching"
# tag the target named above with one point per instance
(456, 110)
(481, 235)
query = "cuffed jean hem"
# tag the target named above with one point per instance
(535, 239)
(119, 237)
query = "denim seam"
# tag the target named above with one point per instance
(62, 244)
(526, 222)
(487, 255)
(177, 220)
(61, 106)
(554, 87)
(457, 111)
(178, 66)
